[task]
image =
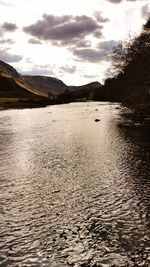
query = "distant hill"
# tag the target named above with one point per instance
(13, 84)
(92, 85)
(47, 85)
(51, 85)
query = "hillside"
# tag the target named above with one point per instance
(7, 70)
(47, 85)
(41, 89)
(12, 84)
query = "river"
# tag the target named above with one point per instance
(73, 192)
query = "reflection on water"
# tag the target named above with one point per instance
(72, 191)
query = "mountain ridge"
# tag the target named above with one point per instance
(38, 85)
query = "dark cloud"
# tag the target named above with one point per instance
(9, 58)
(98, 34)
(107, 46)
(9, 27)
(90, 54)
(65, 30)
(34, 41)
(145, 11)
(102, 52)
(68, 69)
(7, 41)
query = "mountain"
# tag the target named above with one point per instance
(47, 85)
(54, 86)
(38, 85)
(7, 70)
(39, 90)
(88, 86)
(12, 84)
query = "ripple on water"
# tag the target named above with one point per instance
(72, 192)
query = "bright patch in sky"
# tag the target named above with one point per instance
(71, 40)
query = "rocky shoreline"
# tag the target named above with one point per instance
(135, 118)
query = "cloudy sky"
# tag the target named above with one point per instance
(70, 40)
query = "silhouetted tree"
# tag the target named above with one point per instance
(133, 56)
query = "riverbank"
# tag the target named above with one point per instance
(21, 103)
(134, 116)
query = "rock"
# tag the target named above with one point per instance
(56, 191)
(96, 120)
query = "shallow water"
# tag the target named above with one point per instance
(72, 191)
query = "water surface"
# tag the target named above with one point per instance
(72, 191)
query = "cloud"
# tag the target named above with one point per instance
(34, 41)
(9, 58)
(83, 43)
(107, 46)
(68, 69)
(145, 11)
(38, 72)
(90, 76)
(5, 4)
(115, 1)
(1, 32)
(9, 27)
(7, 41)
(102, 52)
(119, 1)
(99, 17)
(90, 54)
(42, 69)
(65, 30)
(97, 34)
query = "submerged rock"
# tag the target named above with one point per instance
(96, 120)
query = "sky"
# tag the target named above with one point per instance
(66, 39)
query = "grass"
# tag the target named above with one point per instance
(4, 100)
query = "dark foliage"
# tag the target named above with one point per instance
(9, 88)
(130, 81)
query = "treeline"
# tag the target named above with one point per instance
(74, 96)
(130, 72)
